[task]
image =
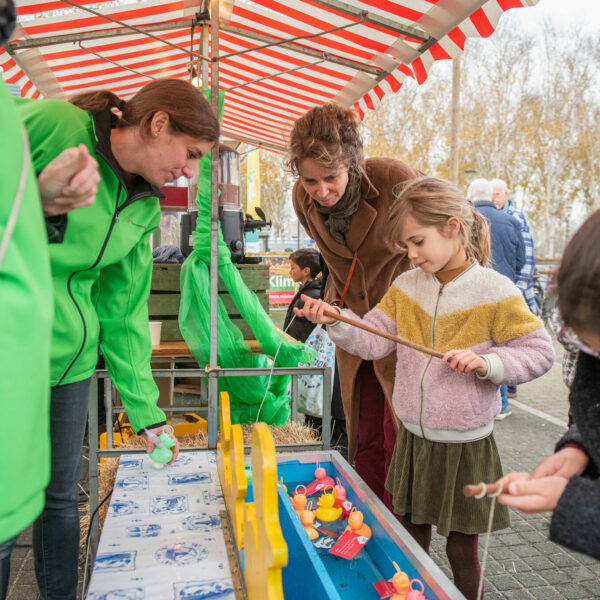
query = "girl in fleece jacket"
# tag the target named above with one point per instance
(446, 407)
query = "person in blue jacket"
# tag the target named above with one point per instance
(508, 249)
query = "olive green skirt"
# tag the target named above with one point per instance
(426, 480)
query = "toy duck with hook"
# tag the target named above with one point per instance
(326, 511)
(307, 518)
(356, 524)
(403, 585)
(321, 481)
(340, 499)
(299, 499)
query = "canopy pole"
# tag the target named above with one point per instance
(213, 388)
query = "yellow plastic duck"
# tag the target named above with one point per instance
(356, 525)
(326, 511)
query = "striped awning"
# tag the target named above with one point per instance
(277, 58)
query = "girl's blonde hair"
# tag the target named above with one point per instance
(431, 202)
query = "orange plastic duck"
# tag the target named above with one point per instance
(401, 583)
(307, 518)
(356, 525)
(299, 499)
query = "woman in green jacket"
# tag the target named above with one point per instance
(101, 275)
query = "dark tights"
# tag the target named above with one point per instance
(461, 550)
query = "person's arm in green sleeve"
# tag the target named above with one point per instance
(122, 308)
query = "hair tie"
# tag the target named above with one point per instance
(121, 105)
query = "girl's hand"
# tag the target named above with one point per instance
(313, 310)
(534, 495)
(565, 463)
(465, 361)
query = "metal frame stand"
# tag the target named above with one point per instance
(96, 453)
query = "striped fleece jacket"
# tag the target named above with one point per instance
(481, 310)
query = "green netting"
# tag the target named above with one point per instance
(246, 393)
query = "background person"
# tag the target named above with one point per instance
(525, 275)
(343, 201)
(446, 409)
(567, 482)
(507, 248)
(304, 268)
(101, 275)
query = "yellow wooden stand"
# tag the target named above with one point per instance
(265, 550)
(255, 524)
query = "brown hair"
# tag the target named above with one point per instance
(431, 202)
(189, 111)
(578, 279)
(307, 257)
(329, 135)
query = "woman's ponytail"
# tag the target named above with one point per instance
(98, 101)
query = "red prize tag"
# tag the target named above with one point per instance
(385, 588)
(348, 545)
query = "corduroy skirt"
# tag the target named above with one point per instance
(426, 480)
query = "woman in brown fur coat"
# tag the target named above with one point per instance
(343, 201)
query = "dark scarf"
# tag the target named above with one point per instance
(339, 214)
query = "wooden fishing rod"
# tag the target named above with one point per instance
(334, 314)
(482, 489)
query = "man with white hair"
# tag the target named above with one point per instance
(507, 248)
(525, 277)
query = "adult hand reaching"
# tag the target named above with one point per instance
(565, 463)
(534, 495)
(69, 181)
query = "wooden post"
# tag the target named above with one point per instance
(454, 117)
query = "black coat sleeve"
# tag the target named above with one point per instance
(301, 327)
(576, 519)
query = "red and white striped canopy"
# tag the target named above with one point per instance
(297, 53)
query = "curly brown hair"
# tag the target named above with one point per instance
(328, 134)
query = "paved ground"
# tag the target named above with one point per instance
(522, 563)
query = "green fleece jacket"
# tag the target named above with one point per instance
(25, 328)
(103, 268)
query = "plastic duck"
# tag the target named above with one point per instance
(340, 500)
(356, 525)
(402, 584)
(416, 594)
(299, 499)
(321, 481)
(326, 511)
(307, 518)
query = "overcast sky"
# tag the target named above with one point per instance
(585, 13)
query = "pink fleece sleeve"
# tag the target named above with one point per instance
(362, 343)
(522, 359)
